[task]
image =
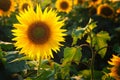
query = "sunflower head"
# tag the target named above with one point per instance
(78, 2)
(115, 61)
(64, 5)
(115, 72)
(24, 4)
(105, 10)
(115, 1)
(95, 2)
(41, 31)
(6, 7)
(74, 2)
(115, 69)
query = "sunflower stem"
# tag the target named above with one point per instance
(92, 66)
(93, 56)
(39, 66)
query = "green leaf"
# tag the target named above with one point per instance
(87, 74)
(6, 45)
(77, 34)
(28, 78)
(46, 75)
(1, 53)
(80, 32)
(65, 72)
(44, 63)
(99, 41)
(17, 66)
(21, 59)
(89, 27)
(45, 3)
(72, 54)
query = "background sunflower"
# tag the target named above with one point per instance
(115, 69)
(95, 2)
(24, 4)
(64, 5)
(6, 7)
(105, 10)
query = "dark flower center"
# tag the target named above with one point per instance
(94, 0)
(64, 5)
(5, 5)
(38, 32)
(80, 1)
(25, 6)
(107, 11)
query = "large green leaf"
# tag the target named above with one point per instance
(77, 34)
(99, 41)
(72, 54)
(80, 32)
(17, 66)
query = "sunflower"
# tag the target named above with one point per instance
(115, 1)
(105, 11)
(64, 5)
(74, 2)
(38, 33)
(95, 2)
(78, 2)
(6, 7)
(115, 70)
(24, 4)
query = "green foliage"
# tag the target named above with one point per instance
(7, 46)
(79, 33)
(99, 41)
(72, 54)
(91, 39)
(116, 48)
(14, 67)
(45, 75)
(86, 74)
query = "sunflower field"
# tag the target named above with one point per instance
(59, 39)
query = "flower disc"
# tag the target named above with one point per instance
(38, 32)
